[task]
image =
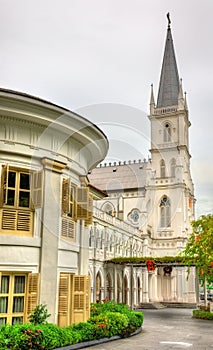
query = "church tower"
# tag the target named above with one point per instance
(170, 189)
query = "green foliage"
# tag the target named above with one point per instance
(199, 249)
(204, 315)
(85, 330)
(98, 308)
(100, 313)
(22, 337)
(142, 260)
(107, 319)
(39, 315)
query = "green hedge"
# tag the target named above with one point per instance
(204, 315)
(107, 319)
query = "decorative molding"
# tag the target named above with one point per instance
(50, 164)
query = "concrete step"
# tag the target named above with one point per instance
(179, 305)
(163, 304)
(154, 305)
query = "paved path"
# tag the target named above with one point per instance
(166, 329)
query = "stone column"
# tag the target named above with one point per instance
(83, 257)
(145, 285)
(174, 284)
(155, 286)
(179, 284)
(50, 234)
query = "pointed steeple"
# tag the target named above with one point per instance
(169, 81)
(152, 101)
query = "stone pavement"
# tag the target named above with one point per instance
(166, 329)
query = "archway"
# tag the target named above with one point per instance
(119, 290)
(138, 291)
(98, 288)
(108, 287)
(125, 296)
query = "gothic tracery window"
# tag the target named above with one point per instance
(162, 168)
(167, 133)
(165, 212)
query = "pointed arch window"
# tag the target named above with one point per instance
(172, 167)
(167, 133)
(165, 212)
(108, 208)
(162, 168)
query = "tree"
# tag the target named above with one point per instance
(199, 248)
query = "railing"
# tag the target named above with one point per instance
(115, 222)
(165, 110)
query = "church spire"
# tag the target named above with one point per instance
(152, 101)
(169, 80)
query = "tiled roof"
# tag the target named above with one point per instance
(119, 177)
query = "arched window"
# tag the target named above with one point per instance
(165, 212)
(98, 287)
(162, 168)
(90, 237)
(108, 208)
(108, 287)
(167, 133)
(172, 167)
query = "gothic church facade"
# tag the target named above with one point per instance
(156, 197)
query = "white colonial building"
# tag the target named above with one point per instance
(62, 219)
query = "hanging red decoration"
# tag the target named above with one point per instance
(150, 265)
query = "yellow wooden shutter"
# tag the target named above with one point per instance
(4, 177)
(37, 189)
(0, 280)
(63, 302)
(9, 219)
(66, 196)
(89, 219)
(68, 228)
(81, 298)
(82, 198)
(32, 292)
(24, 220)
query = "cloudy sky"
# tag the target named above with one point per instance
(99, 58)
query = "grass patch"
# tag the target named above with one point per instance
(203, 315)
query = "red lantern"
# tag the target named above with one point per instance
(150, 265)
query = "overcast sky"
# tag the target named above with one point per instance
(99, 58)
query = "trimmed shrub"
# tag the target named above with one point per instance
(135, 319)
(107, 320)
(85, 330)
(204, 315)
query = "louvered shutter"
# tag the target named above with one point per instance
(24, 220)
(9, 219)
(81, 298)
(82, 198)
(68, 228)
(63, 302)
(4, 176)
(17, 220)
(66, 196)
(0, 280)
(32, 293)
(37, 189)
(89, 219)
